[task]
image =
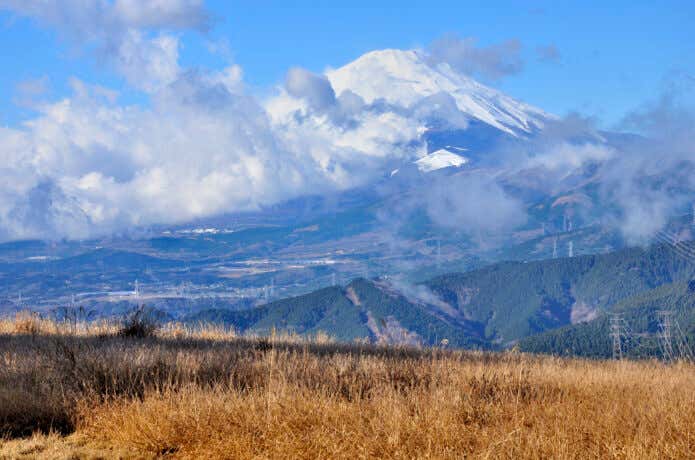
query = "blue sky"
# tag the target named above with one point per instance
(612, 57)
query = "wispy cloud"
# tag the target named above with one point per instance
(103, 20)
(29, 93)
(316, 89)
(548, 53)
(466, 56)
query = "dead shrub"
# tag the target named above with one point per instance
(139, 324)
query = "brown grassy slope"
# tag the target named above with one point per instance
(223, 397)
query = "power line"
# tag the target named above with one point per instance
(624, 340)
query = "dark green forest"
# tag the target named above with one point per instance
(555, 306)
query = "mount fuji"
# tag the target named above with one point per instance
(407, 77)
(395, 107)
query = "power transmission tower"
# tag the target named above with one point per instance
(684, 349)
(570, 249)
(615, 334)
(665, 337)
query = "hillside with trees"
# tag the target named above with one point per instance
(493, 307)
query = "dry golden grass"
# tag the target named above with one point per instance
(31, 324)
(53, 446)
(209, 394)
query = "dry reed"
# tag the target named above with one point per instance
(205, 393)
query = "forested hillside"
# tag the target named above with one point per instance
(361, 310)
(493, 307)
(639, 326)
(515, 300)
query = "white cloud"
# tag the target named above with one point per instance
(201, 149)
(349, 142)
(129, 35)
(167, 14)
(100, 19)
(315, 89)
(147, 63)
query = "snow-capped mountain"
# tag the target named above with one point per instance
(406, 77)
(390, 108)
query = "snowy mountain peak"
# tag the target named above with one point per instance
(405, 77)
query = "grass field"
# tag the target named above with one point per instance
(73, 391)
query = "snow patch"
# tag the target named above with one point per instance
(440, 159)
